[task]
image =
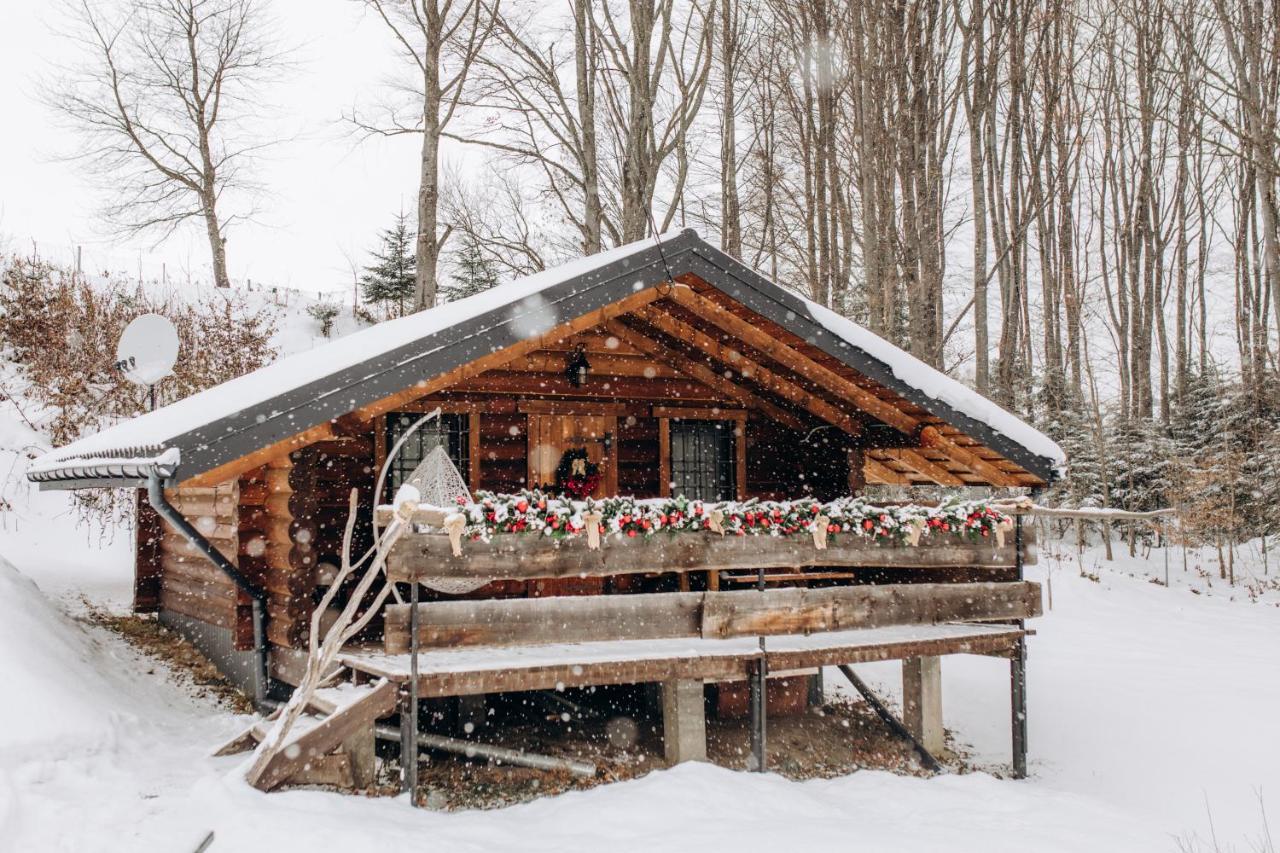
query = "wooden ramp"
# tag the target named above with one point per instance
(330, 744)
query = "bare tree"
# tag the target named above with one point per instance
(164, 102)
(441, 41)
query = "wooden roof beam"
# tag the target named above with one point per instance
(798, 362)
(701, 372)
(881, 474)
(762, 376)
(791, 358)
(924, 467)
(431, 385)
(930, 437)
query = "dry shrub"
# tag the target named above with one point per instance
(61, 332)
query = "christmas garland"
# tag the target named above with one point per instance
(540, 513)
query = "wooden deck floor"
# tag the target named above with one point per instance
(459, 672)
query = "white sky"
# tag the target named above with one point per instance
(328, 192)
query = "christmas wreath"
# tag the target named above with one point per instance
(576, 475)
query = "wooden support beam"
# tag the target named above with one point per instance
(702, 373)
(792, 359)
(922, 702)
(684, 721)
(932, 438)
(924, 467)
(692, 662)
(748, 369)
(881, 474)
(857, 477)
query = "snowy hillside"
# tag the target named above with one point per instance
(1151, 724)
(1152, 727)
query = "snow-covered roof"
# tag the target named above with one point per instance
(300, 391)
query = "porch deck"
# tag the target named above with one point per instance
(489, 669)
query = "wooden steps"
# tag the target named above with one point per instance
(330, 744)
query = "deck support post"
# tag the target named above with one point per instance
(684, 721)
(757, 679)
(1018, 712)
(1018, 671)
(922, 701)
(409, 707)
(364, 766)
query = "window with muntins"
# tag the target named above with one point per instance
(702, 460)
(448, 431)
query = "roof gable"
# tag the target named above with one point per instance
(299, 392)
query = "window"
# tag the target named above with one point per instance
(702, 460)
(448, 431)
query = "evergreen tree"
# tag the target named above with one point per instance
(474, 272)
(390, 281)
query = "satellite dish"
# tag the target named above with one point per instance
(148, 349)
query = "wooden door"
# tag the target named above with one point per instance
(550, 435)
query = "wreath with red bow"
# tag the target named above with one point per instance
(576, 475)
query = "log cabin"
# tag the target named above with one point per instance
(674, 370)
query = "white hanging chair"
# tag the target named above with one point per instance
(441, 485)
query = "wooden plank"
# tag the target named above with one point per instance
(857, 477)
(329, 770)
(524, 557)
(213, 612)
(930, 437)
(664, 457)
(749, 613)
(473, 450)
(570, 407)
(704, 413)
(636, 391)
(922, 466)
(525, 621)
(601, 365)
(702, 373)
(751, 371)
(324, 737)
(996, 643)
(881, 474)
(710, 615)
(999, 641)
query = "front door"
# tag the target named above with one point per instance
(550, 435)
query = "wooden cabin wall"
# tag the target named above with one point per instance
(637, 456)
(781, 465)
(504, 453)
(190, 585)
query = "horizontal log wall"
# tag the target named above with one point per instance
(710, 615)
(190, 585)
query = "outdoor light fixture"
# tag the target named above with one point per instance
(577, 367)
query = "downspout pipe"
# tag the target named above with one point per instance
(170, 513)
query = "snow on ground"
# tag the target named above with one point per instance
(1147, 706)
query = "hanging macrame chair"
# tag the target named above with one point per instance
(441, 485)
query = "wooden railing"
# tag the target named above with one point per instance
(706, 615)
(524, 556)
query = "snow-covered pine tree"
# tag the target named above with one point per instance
(390, 281)
(473, 272)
